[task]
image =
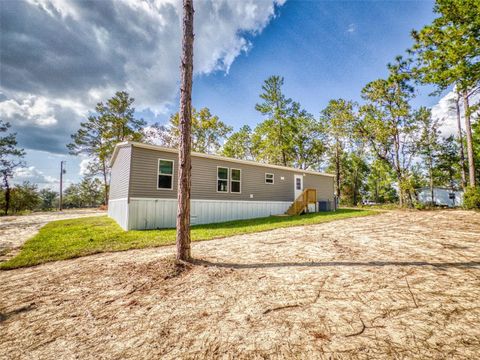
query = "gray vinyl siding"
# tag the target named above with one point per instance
(144, 167)
(145, 173)
(120, 174)
(323, 185)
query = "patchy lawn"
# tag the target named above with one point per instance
(400, 285)
(16, 229)
(68, 239)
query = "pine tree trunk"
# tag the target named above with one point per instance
(337, 169)
(399, 171)
(432, 195)
(468, 130)
(184, 157)
(105, 182)
(460, 140)
(355, 188)
(7, 194)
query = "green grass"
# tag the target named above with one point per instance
(66, 239)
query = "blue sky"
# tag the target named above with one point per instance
(324, 50)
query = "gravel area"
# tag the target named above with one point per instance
(15, 230)
(403, 285)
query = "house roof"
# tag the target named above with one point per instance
(208, 156)
(437, 188)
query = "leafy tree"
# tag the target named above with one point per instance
(272, 137)
(47, 198)
(337, 120)
(447, 53)
(379, 183)
(429, 144)
(10, 158)
(207, 134)
(289, 135)
(471, 199)
(355, 170)
(389, 126)
(25, 197)
(113, 122)
(448, 165)
(307, 139)
(87, 193)
(239, 144)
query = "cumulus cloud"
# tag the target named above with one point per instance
(42, 123)
(60, 57)
(351, 28)
(34, 176)
(445, 111)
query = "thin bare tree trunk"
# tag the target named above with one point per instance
(468, 130)
(105, 182)
(460, 140)
(432, 194)
(184, 158)
(337, 169)
(7, 194)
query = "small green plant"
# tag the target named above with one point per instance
(471, 199)
(420, 206)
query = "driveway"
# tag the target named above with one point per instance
(395, 285)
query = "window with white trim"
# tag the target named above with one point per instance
(222, 179)
(269, 178)
(165, 174)
(235, 181)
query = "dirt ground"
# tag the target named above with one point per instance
(396, 285)
(15, 230)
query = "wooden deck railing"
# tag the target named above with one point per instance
(308, 196)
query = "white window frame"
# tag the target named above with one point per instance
(239, 181)
(172, 174)
(273, 179)
(227, 180)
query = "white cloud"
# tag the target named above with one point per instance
(445, 111)
(34, 110)
(84, 167)
(34, 176)
(84, 52)
(42, 123)
(351, 28)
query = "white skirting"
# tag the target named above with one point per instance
(148, 213)
(118, 210)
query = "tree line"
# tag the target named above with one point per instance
(27, 197)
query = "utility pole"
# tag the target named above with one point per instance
(62, 171)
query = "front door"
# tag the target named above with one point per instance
(298, 183)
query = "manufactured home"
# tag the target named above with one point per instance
(143, 188)
(441, 196)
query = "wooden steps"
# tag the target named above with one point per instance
(308, 196)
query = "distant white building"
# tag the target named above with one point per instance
(441, 196)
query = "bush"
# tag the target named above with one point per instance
(471, 198)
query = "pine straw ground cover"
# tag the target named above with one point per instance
(397, 285)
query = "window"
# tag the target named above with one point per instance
(298, 182)
(222, 179)
(235, 181)
(269, 178)
(165, 174)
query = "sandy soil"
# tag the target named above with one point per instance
(397, 285)
(15, 230)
